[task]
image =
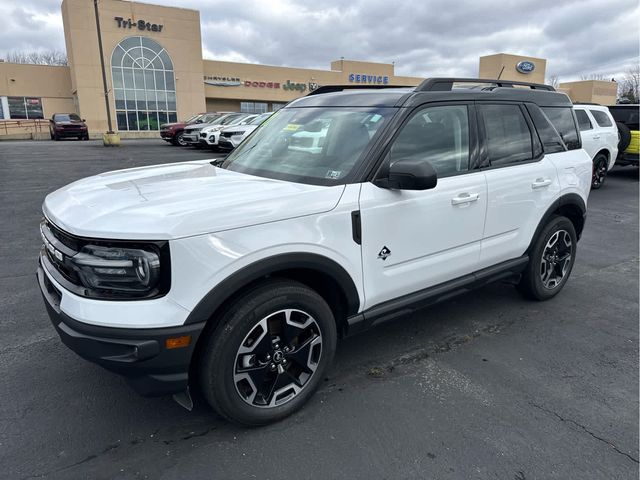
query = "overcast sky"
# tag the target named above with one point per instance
(422, 37)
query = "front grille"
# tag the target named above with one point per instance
(203, 135)
(59, 247)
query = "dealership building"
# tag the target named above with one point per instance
(155, 73)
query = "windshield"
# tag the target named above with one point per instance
(194, 118)
(319, 145)
(67, 117)
(241, 119)
(260, 118)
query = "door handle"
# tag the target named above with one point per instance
(596, 137)
(541, 183)
(464, 198)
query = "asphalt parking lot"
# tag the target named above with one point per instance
(487, 386)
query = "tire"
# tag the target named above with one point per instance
(532, 284)
(625, 137)
(178, 140)
(600, 169)
(86, 137)
(56, 137)
(51, 134)
(250, 324)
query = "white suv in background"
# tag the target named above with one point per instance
(599, 138)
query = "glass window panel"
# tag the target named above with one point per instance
(508, 138)
(151, 100)
(138, 76)
(34, 107)
(157, 63)
(162, 117)
(164, 56)
(162, 100)
(127, 61)
(151, 44)
(119, 96)
(116, 77)
(601, 118)
(133, 120)
(173, 117)
(149, 80)
(136, 53)
(168, 76)
(16, 107)
(148, 54)
(153, 121)
(116, 56)
(159, 80)
(122, 120)
(171, 101)
(143, 121)
(128, 78)
(130, 42)
(583, 120)
(562, 119)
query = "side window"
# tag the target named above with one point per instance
(439, 135)
(584, 123)
(601, 118)
(548, 135)
(507, 135)
(562, 118)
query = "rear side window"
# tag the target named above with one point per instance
(627, 114)
(507, 135)
(562, 118)
(548, 135)
(601, 118)
(583, 120)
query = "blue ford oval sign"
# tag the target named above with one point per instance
(525, 66)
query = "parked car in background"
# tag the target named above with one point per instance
(599, 138)
(68, 125)
(174, 132)
(230, 137)
(627, 119)
(191, 133)
(210, 134)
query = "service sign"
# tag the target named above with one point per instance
(525, 66)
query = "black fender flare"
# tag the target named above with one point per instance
(567, 202)
(218, 295)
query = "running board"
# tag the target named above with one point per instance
(407, 304)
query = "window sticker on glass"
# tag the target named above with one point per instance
(292, 127)
(333, 174)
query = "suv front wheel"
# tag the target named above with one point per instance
(269, 353)
(550, 261)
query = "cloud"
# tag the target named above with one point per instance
(422, 37)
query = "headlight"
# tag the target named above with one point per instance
(233, 134)
(117, 269)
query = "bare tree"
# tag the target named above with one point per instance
(554, 81)
(37, 57)
(629, 86)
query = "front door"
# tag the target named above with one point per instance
(412, 240)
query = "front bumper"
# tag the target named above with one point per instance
(71, 133)
(138, 354)
(191, 138)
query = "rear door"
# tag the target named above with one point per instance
(588, 132)
(521, 181)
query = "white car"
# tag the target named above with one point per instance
(191, 130)
(599, 138)
(192, 133)
(241, 279)
(230, 137)
(210, 135)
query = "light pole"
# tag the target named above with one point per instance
(109, 138)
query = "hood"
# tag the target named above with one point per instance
(180, 200)
(174, 124)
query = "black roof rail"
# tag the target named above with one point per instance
(446, 84)
(339, 88)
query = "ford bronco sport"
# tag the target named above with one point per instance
(239, 280)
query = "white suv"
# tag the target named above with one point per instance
(239, 280)
(599, 138)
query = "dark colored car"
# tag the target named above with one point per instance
(173, 132)
(66, 125)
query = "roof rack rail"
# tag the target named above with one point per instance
(339, 88)
(446, 84)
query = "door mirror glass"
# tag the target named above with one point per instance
(410, 174)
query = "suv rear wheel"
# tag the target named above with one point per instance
(600, 168)
(550, 261)
(269, 353)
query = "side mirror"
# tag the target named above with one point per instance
(198, 121)
(84, 120)
(410, 174)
